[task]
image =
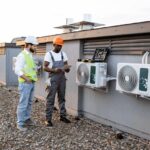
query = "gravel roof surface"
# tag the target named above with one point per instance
(82, 134)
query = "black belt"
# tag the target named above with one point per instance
(32, 81)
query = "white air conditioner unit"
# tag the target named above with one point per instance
(91, 74)
(133, 78)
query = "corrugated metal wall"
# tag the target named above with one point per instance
(41, 49)
(127, 45)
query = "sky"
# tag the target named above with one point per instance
(21, 18)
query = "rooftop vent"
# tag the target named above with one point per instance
(86, 24)
(67, 27)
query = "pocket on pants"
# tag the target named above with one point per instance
(20, 87)
(48, 82)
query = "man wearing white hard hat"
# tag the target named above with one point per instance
(27, 76)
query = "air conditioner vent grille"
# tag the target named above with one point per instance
(128, 78)
(83, 73)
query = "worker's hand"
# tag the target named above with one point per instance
(28, 80)
(57, 70)
(67, 68)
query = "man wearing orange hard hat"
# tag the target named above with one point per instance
(56, 64)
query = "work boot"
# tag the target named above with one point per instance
(48, 123)
(65, 120)
(21, 128)
(29, 122)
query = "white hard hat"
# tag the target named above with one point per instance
(31, 40)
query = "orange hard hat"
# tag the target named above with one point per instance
(58, 40)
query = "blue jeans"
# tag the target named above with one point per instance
(24, 108)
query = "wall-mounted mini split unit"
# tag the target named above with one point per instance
(133, 78)
(91, 74)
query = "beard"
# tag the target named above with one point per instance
(57, 50)
(32, 50)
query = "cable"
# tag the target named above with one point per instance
(146, 58)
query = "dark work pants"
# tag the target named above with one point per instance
(58, 85)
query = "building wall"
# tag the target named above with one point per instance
(11, 77)
(3, 69)
(40, 84)
(72, 49)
